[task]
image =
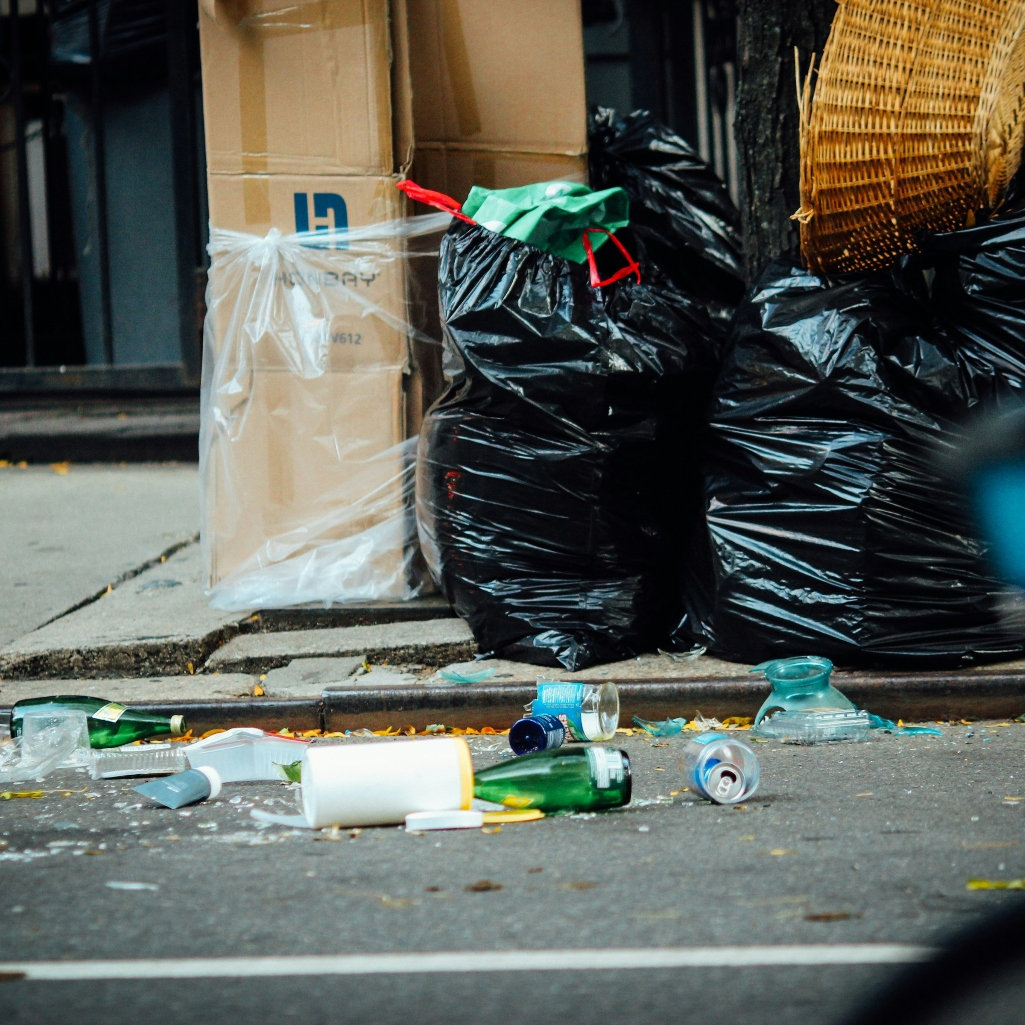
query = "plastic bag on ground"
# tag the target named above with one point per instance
(551, 479)
(305, 467)
(832, 527)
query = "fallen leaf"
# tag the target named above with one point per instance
(432, 889)
(258, 691)
(995, 884)
(491, 829)
(867, 793)
(482, 886)
(582, 885)
(828, 916)
(535, 869)
(60, 468)
(779, 852)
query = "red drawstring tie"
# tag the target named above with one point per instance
(632, 266)
(442, 202)
(431, 198)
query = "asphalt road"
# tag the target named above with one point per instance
(868, 843)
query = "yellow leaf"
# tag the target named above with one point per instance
(60, 468)
(779, 852)
(258, 691)
(995, 884)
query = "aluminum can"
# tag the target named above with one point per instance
(721, 767)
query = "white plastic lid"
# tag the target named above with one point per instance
(215, 779)
(455, 819)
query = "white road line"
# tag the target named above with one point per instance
(469, 961)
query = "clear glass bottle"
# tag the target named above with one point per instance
(561, 779)
(589, 711)
(110, 724)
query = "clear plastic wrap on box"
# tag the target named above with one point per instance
(306, 466)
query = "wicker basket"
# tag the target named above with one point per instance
(917, 122)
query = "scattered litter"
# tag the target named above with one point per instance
(721, 768)
(137, 760)
(661, 728)
(898, 729)
(799, 684)
(995, 884)
(829, 916)
(115, 885)
(245, 754)
(588, 711)
(570, 778)
(183, 788)
(109, 724)
(695, 653)
(536, 733)
(463, 678)
(816, 726)
(482, 886)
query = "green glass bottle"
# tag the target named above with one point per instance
(573, 778)
(110, 724)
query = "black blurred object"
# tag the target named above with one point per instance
(559, 470)
(132, 32)
(680, 210)
(976, 979)
(833, 528)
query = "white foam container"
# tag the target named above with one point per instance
(380, 783)
(245, 753)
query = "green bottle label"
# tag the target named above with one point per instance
(110, 712)
(606, 767)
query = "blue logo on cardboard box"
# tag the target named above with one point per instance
(327, 206)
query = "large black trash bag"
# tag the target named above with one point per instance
(546, 476)
(680, 210)
(832, 528)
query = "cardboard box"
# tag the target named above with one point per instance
(302, 462)
(312, 108)
(300, 87)
(350, 287)
(498, 93)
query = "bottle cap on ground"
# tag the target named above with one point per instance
(456, 819)
(177, 725)
(213, 775)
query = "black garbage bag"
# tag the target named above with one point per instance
(551, 470)
(832, 528)
(681, 211)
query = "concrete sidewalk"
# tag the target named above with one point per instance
(105, 581)
(65, 536)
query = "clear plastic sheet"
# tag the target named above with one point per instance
(305, 466)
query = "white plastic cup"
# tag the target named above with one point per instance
(379, 784)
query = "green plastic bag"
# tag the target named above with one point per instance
(550, 215)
